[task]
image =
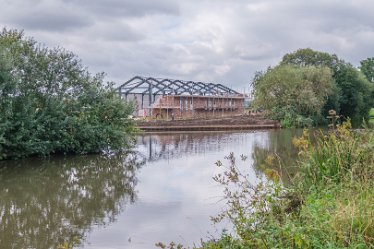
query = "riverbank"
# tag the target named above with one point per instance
(242, 122)
(329, 204)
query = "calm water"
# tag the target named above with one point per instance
(161, 191)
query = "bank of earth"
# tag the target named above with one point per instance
(240, 122)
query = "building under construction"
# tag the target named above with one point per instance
(167, 99)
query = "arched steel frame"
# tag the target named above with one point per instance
(154, 86)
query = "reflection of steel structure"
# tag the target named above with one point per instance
(152, 86)
(158, 147)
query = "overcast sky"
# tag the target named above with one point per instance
(218, 41)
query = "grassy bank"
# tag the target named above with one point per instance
(329, 204)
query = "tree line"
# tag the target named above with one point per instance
(50, 103)
(306, 84)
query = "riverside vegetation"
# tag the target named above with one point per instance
(371, 117)
(328, 203)
(306, 84)
(50, 103)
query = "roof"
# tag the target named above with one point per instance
(157, 86)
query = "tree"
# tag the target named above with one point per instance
(356, 93)
(294, 95)
(50, 103)
(351, 92)
(367, 68)
(309, 57)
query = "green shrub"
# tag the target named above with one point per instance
(50, 103)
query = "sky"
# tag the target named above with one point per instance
(219, 41)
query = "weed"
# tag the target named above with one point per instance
(329, 204)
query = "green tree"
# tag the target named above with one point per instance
(294, 95)
(310, 57)
(51, 104)
(367, 68)
(356, 93)
(351, 95)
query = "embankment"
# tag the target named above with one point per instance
(243, 122)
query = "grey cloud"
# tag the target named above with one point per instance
(115, 32)
(43, 15)
(52, 21)
(55, 15)
(217, 41)
(127, 8)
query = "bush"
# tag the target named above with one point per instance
(51, 104)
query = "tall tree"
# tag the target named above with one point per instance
(294, 95)
(367, 68)
(351, 94)
(310, 57)
(356, 93)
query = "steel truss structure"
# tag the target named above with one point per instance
(154, 86)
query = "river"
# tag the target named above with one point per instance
(162, 190)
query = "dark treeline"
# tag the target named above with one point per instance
(50, 103)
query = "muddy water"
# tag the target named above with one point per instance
(161, 191)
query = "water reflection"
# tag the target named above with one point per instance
(171, 146)
(49, 203)
(176, 193)
(274, 143)
(91, 202)
(277, 153)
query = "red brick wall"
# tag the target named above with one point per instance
(197, 106)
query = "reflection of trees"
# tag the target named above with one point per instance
(274, 143)
(168, 146)
(277, 153)
(45, 204)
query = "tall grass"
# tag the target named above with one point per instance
(330, 203)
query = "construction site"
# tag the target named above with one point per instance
(166, 104)
(176, 99)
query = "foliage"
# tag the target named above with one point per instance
(309, 57)
(367, 68)
(371, 113)
(294, 95)
(371, 117)
(352, 94)
(171, 245)
(50, 103)
(226, 241)
(356, 93)
(328, 205)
